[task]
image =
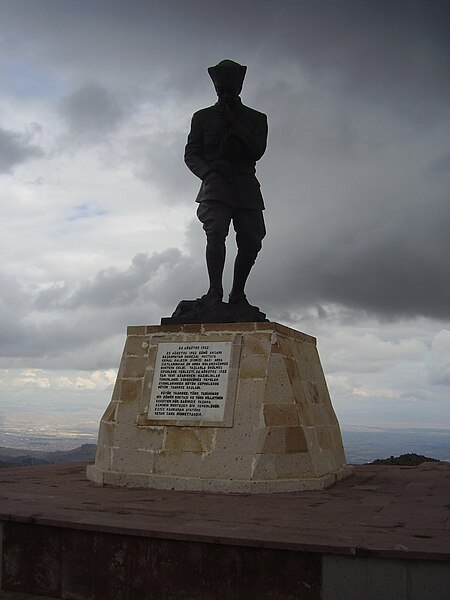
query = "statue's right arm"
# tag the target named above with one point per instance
(193, 153)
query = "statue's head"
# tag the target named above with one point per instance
(228, 77)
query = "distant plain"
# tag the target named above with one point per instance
(362, 444)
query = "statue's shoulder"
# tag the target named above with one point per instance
(204, 112)
(256, 114)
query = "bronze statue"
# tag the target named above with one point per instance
(223, 145)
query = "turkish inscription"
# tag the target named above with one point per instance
(190, 381)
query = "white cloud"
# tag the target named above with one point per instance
(439, 368)
(16, 148)
(17, 380)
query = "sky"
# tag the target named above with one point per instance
(98, 228)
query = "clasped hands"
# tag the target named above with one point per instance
(224, 112)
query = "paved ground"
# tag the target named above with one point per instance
(19, 596)
(389, 511)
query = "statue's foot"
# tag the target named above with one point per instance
(238, 299)
(211, 298)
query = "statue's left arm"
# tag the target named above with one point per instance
(254, 138)
(193, 154)
(249, 128)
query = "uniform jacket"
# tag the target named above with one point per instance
(211, 147)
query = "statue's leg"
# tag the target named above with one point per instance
(250, 230)
(215, 262)
(216, 218)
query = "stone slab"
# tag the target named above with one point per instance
(70, 537)
(351, 518)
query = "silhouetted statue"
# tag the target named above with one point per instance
(223, 145)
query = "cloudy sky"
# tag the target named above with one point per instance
(98, 226)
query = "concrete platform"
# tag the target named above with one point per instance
(20, 596)
(385, 532)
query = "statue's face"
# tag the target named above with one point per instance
(228, 94)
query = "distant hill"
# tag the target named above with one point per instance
(13, 457)
(406, 460)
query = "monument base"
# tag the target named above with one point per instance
(230, 407)
(231, 486)
(196, 311)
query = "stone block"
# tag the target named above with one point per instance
(192, 328)
(189, 439)
(325, 436)
(148, 380)
(304, 370)
(238, 440)
(324, 396)
(282, 466)
(286, 346)
(271, 440)
(278, 389)
(310, 392)
(175, 328)
(178, 464)
(131, 390)
(318, 376)
(250, 390)
(138, 437)
(128, 460)
(227, 466)
(103, 456)
(280, 414)
(275, 347)
(228, 327)
(106, 433)
(304, 415)
(256, 344)
(291, 369)
(253, 367)
(248, 415)
(276, 440)
(127, 413)
(312, 356)
(296, 440)
(134, 367)
(152, 329)
(136, 330)
(319, 415)
(137, 345)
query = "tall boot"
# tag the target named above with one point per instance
(215, 261)
(242, 267)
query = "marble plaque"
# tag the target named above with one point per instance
(191, 381)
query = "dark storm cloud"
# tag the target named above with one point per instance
(14, 304)
(113, 287)
(91, 112)
(15, 149)
(158, 160)
(370, 49)
(355, 177)
(35, 325)
(374, 51)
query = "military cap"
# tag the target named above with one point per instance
(227, 73)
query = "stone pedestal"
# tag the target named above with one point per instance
(268, 427)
